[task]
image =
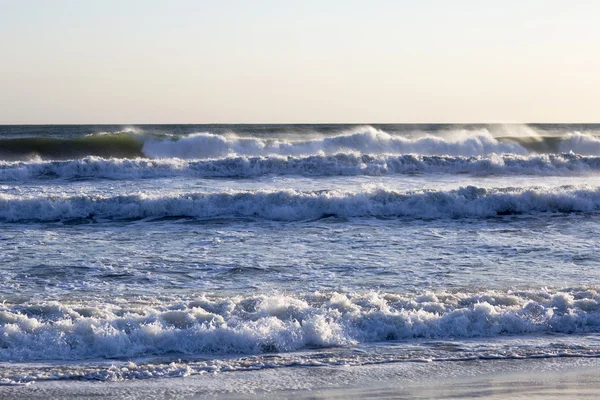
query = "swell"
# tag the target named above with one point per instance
(367, 140)
(260, 324)
(293, 205)
(321, 165)
(465, 143)
(123, 145)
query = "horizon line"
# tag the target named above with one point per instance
(300, 123)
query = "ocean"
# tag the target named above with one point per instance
(150, 252)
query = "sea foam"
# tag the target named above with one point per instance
(346, 164)
(364, 140)
(369, 140)
(290, 205)
(260, 324)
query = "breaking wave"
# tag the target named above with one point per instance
(259, 324)
(339, 164)
(370, 140)
(292, 205)
(366, 140)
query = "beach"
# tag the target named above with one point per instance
(299, 200)
(320, 261)
(533, 379)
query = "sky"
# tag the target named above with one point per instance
(278, 61)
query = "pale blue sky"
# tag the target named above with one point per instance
(183, 61)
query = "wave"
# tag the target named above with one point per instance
(262, 324)
(334, 165)
(366, 140)
(23, 374)
(465, 143)
(369, 140)
(293, 205)
(122, 144)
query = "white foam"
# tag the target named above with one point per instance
(282, 323)
(581, 143)
(347, 164)
(93, 167)
(297, 205)
(368, 140)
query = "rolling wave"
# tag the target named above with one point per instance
(259, 324)
(122, 145)
(368, 140)
(293, 205)
(335, 165)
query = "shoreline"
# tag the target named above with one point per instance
(532, 378)
(547, 379)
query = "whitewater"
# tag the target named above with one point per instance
(133, 253)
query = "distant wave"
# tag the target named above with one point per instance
(367, 140)
(291, 205)
(372, 141)
(123, 145)
(350, 164)
(282, 323)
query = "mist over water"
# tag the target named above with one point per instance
(140, 252)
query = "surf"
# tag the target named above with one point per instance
(280, 323)
(363, 140)
(341, 164)
(296, 205)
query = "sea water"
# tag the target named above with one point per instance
(149, 252)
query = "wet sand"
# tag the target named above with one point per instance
(582, 383)
(551, 378)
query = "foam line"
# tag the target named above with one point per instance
(282, 323)
(292, 205)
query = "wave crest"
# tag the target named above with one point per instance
(339, 164)
(362, 140)
(279, 323)
(291, 205)
(370, 140)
